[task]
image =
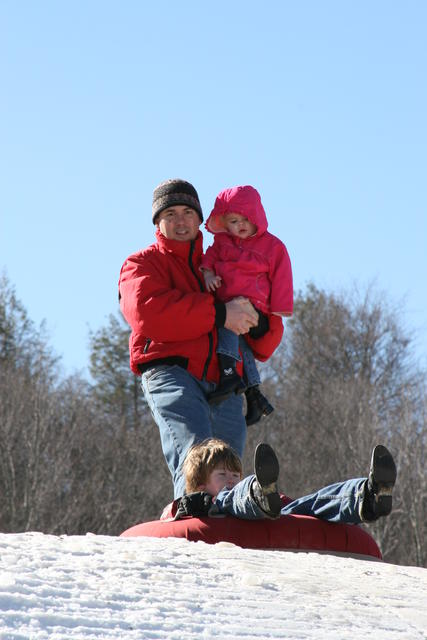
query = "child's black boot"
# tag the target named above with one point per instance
(377, 493)
(229, 380)
(264, 487)
(257, 405)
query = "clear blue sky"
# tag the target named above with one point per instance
(320, 105)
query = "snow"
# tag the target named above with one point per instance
(101, 587)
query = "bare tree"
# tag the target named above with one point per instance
(74, 457)
(115, 388)
(27, 368)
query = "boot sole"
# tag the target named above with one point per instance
(267, 470)
(383, 477)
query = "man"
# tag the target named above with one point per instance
(174, 324)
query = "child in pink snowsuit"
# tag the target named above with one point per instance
(245, 260)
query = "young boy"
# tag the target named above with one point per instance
(214, 485)
(245, 260)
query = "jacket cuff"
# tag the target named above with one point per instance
(262, 327)
(220, 314)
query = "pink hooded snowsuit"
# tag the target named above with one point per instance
(257, 267)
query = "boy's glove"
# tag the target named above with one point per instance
(262, 327)
(194, 504)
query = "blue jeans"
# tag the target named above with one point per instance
(179, 406)
(337, 502)
(228, 345)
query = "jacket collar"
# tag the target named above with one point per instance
(178, 248)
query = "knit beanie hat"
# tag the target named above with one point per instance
(176, 191)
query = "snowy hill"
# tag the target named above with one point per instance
(99, 587)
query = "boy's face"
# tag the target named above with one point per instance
(238, 225)
(178, 223)
(219, 478)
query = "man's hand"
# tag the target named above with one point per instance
(240, 315)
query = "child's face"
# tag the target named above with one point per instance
(219, 478)
(238, 225)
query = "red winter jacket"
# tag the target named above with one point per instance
(171, 315)
(257, 267)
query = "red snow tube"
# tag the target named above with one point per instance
(287, 533)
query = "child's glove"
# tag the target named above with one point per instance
(262, 327)
(194, 504)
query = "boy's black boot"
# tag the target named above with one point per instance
(264, 487)
(257, 405)
(229, 380)
(377, 494)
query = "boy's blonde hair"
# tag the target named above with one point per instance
(202, 459)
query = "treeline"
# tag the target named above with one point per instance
(78, 457)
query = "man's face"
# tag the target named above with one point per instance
(219, 478)
(178, 223)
